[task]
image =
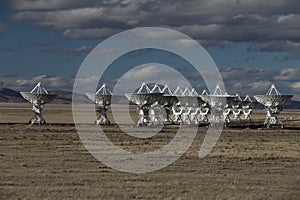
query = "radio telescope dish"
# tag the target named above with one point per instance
(220, 103)
(144, 99)
(38, 96)
(168, 98)
(102, 99)
(148, 101)
(247, 107)
(144, 96)
(218, 98)
(273, 102)
(247, 102)
(102, 96)
(237, 102)
(188, 108)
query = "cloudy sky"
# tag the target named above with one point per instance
(254, 43)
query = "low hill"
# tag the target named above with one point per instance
(12, 96)
(8, 95)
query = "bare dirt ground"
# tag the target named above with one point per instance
(50, 162)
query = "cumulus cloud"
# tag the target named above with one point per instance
(288, 74)
(82, 18)
(295, 89)
(252, 81)
(90, 33)
(150, 73)
(50, 82)
(245, 81)
(87, 80)
(260, 85)
(26, 84)
(184, 43)
(76, 18)
(271, 26)
(295, 85)
(153, 73)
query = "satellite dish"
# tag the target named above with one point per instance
(247, 107)
(273, 102)
(190, 101)
(102, 99)
(99, 99)
(220, 103)
(168, 100)
(147, 101)
(38, 96)
(144, 99)
(218, 98)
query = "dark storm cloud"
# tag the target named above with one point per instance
(289, 75)
(213, 22)
(50, 4)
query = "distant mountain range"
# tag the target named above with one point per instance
(12, 96)
(64, 97)
(292, 105)
(8, 95)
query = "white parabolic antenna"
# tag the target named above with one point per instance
(273, 97)
(102, 96)
(220, 105)
(219, 98)
(273, 101)
(144, 97)
(38, 96)
(102, 99)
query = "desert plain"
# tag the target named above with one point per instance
(51, 162)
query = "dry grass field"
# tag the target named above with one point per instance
(50, 161)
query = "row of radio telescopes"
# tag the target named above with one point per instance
(159, 105)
